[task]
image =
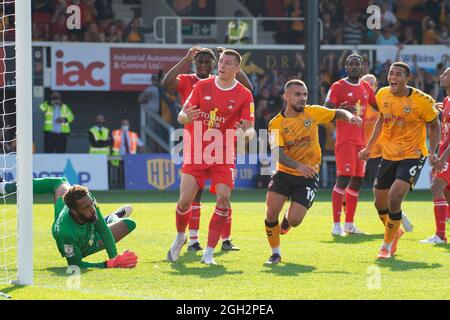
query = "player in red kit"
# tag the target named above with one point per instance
(440, 185)
(204, 60)
(215, 109)
(355, 95)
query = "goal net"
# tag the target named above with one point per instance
(16, 142)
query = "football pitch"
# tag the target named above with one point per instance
(315, 265)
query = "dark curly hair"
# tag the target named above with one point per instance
(205, 51)
(74, 194)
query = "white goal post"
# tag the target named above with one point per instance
(24, 124)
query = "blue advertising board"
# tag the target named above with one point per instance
(156, 171)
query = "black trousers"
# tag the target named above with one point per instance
(55, 142)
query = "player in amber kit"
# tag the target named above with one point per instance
(214, 110)
(354, 95)
(440, 186)
(405, 113)
(204, 60)
(294, 140)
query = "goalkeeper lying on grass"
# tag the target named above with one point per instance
(79, 228)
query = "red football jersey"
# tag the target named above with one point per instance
(445, 126)
(344, 93)
(185, 84)
(220, 109)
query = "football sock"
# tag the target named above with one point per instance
(227, 229)
(273, 234)
(440, 210)
(337, 197)
(216, 225)
(383, 214)
(182, 219)
(392, 225)
(351, 197)
(194, 223)
(448, 212)
(131, 225)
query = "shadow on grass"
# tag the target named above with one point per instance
(65, 271)
(401, 265)
(355, 238)
(288, 269)
(202, 271)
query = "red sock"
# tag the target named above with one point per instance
(351, 197)
(448, 212)
(227, 229)
(182, 219)
(216, 225)
(194, 222)
(440, 208)
(337, 197)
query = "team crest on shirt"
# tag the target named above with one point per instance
(407, 109)
(68, 249)
(307, 123)
(207, 98)
(285, 130)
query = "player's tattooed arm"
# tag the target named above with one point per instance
(283, 158)
(345, 115)
(304, 169)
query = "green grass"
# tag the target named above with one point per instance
(315, 265)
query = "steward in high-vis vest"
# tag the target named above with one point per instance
(124, 141)
(100, 138)
(57, 119)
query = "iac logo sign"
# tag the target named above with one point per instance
(75, 68)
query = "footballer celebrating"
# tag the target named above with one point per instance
(294, 140)
(204, 60)
(355, 95)
(215, 109)
(405, 113)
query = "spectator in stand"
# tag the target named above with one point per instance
(387, 17)
(237, 30)
(134, 33)
(100, 137)
(262, 113)
(59, 27)
(430, 35)
(408, 37)
(44, 6)
(297, 28)
(88, 11)
(274, 102)
(387, 37)
(114, 33)
(93, 34)
(104, 11)
(353, 30)
(149, 98)
(332, 33)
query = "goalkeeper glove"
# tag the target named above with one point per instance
(127, 259)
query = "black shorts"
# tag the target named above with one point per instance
(298, 189)
(372, 169)
(407, 170)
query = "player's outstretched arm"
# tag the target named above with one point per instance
(365, 153)
(434, 137)
(345, 115)
(170, 81)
